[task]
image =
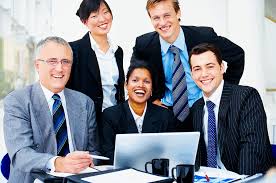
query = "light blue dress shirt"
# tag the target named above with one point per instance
(194, 93)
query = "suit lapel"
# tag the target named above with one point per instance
(155, 50)
(222, 121)
(77, 121)
(44, 118)
(90, 58)
(198, 126)
(149, 119)
(130, 122)
(198, 116)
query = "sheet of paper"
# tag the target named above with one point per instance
(215, 172)
(60, 174)
(124, 176)
(215, 175)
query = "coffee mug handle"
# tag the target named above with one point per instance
(146, 166)
(174, 168)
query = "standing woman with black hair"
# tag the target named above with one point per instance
(97, 69)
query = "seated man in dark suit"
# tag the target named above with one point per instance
(230, 118)
(47, 126)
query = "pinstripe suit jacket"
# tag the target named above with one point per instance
(242, 131)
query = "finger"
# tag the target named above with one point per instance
(79, 155)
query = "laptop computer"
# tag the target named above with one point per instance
(134, 150)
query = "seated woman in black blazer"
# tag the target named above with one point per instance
(136, 115)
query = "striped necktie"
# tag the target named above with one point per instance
(212, 136)
(179, 87)
(60, 127)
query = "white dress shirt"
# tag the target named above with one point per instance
(108, 70)
(138, 119)
(215, 98)
(48, 95)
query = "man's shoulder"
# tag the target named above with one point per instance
(240, 89)
(146, 38)
(77, 96)
(200, 31)
(21, 93)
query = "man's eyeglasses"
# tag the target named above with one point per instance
(54, 62)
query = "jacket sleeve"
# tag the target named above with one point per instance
(255, 149)
(108, 136)
(232, 54)
(18, 134)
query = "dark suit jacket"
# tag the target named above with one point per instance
(85, 75)
(119, 120)
(242, 130)
(147, 47)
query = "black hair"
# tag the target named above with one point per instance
(136, 63)
(89, 6)
(204, 47)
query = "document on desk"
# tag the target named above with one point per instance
(60, 174)
(125, 176)
(216, 175)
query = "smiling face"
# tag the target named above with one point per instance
(54, 78)
(206, 72)
(165, 20)
(100, 21)
(139, 86)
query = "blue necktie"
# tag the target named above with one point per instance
(212, 136)
(60, 127)
(179, 87)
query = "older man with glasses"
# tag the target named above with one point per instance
(47, 126)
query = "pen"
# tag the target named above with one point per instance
(99, 157)
(247, 178)
(206, 176)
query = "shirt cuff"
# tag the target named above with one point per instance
(51, 164)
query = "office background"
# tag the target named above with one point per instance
(249, 23)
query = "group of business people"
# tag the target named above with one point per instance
(176, 82)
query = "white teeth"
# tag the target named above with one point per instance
(206, 81)
(140, 91)
(57, 76)
(103, 26)
(165, 28)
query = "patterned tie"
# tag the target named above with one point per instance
(212, 136)
(60, 127)
(179, 87)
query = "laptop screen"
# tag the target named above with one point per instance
(134, 150)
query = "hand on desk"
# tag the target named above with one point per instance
(73, 162)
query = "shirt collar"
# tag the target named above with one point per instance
(135, 116)
(216, 96)
(94, 45)
(179, 42)
(48, 94)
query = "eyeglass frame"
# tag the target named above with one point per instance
(64, 62)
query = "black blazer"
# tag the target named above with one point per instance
(242, 131)
(147, 47)
(119, 120)
(85, 75)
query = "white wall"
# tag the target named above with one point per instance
(242, 21)
(269, 57)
